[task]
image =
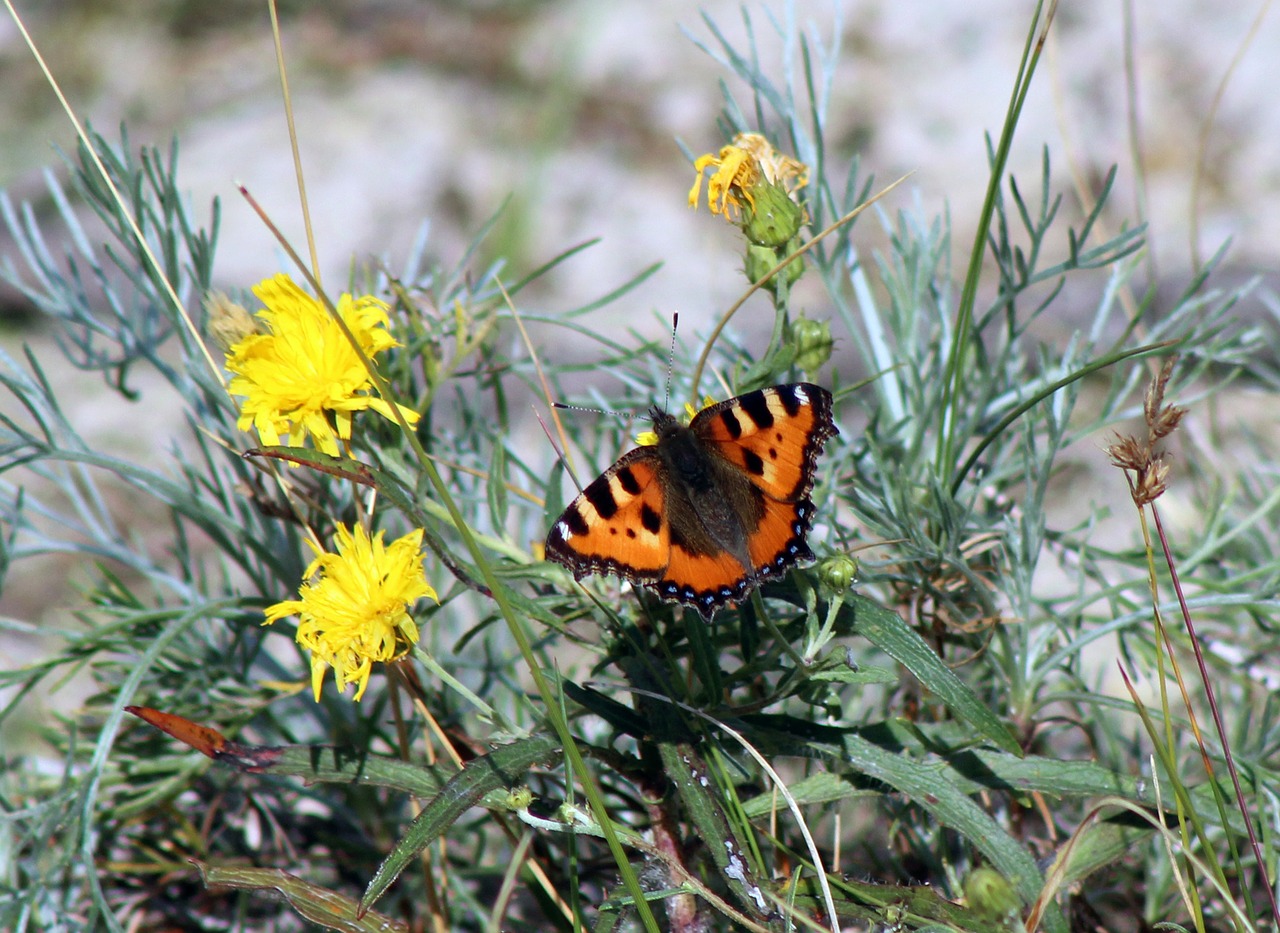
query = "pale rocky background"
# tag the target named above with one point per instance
(408, 111)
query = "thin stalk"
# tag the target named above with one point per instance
(968, 295)
(1217, 722)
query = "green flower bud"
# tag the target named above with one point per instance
(813, 343)
(837, 572)
(988, 893)
(519, 797)
(761, 259)
(770, 217)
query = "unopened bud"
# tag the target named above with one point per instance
(771, 217)
(760, 260)
(989, 894)
(813, 343)
(837, 572)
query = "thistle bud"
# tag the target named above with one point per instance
(989, 894)
(770, 216)
(813, 343)
(519, 797)
(837, 572)
(761, 259)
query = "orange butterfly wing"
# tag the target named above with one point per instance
(704, 580)
(774, 436)
(618, 524)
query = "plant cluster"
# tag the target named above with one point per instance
(438, 729)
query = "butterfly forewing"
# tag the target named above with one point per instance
(773, 435)
(618, 525)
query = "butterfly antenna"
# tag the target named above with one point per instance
(592, 411)
(562, 453)
(671, 359)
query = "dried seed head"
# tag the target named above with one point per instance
(1162, 420)
(1151, 482)
(1127, 453)
(227, 322)
(1155, 392)
(1149, 469)
(1166, 421)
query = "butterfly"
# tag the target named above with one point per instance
(712, 509)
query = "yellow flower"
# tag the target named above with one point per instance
(740, 168)
(301, 376)
(356, 609)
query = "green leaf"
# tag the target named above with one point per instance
(700, 794)
(822, 787)
(863, 675)
(889, 633)
(619, 716)
(1099, 844)
(501, 769)
(952, 807)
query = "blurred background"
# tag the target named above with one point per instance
(441, 111)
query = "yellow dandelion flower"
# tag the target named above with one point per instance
(740, 168)
(300, 376)
(355, 608)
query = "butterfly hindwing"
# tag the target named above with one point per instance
(779, 539)
(706, 581)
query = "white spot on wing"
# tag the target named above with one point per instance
(620, 496)
(775, 406)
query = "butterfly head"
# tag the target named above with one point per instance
(665, 424)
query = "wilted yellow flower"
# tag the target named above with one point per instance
(356, 609)
(740, 169)
(301, 376)
(227, 322)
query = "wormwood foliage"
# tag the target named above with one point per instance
(914, 733)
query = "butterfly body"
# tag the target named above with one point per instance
(710, 510)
